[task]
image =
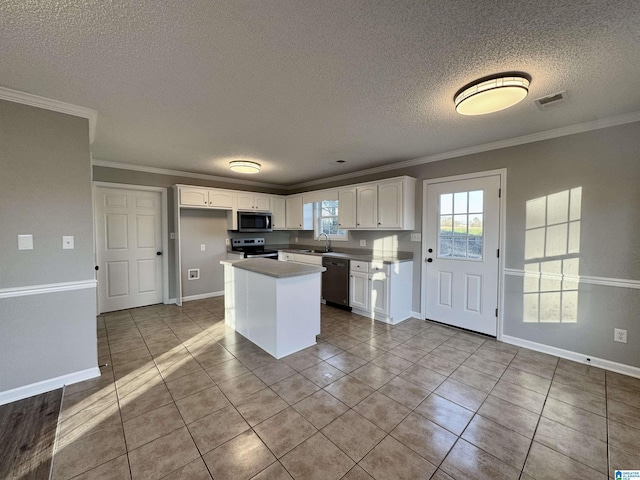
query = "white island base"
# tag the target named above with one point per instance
(275, 307)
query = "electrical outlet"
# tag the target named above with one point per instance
(67, 242)
(416, 237)
(227, 241)
(619, 335)
(363, 243)
(202, 247)
(193, 274)
(172, 235)
(295, 239)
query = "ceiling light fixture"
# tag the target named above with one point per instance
(492, 94)
(244, 166)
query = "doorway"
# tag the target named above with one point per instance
(130, 246)
(462, 221)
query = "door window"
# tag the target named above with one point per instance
(461, 225)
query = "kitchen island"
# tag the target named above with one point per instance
(276, 305)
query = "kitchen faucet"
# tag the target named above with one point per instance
(327, 247)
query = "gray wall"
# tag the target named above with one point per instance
(209, 228)
(606, 164)
(45, 190)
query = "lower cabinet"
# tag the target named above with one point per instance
(381, 291)
(359, 290)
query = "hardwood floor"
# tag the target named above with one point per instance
(27, 436)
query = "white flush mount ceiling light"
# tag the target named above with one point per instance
(492, 94)
(244, 166)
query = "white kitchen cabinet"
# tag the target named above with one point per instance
(206, 198)
(381, 291)
(359, 290)
(347, 208)
(300, 258)
(390, 204)
(278, 210)
(254, 201)
(194, 197)
(308, 259)
(299, 216)
(294, 212)
(366, 206)
(285, 256)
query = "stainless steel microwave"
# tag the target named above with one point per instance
(254, 222)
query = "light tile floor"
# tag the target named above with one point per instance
(184, 397)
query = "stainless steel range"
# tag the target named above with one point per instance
(252, 248)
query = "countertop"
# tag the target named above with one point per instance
(361, 256)
(273, 268)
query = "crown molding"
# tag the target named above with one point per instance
(179, 173)
(54, 105)
(510, 142)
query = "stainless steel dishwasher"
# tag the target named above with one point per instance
(335, 282)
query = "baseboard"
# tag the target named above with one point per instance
(37, 388)
(575, 356)
(379, 318)
(202, 295)
(417, 315)
(171, 301)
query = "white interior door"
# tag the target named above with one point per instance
(128, 248)
(462, 240)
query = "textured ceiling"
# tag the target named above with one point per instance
(297, 85)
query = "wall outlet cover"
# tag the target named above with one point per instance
(416, 237)
(193, 274)
(172, 235)
(25, 242)
(203, 247)
(363, 243)
(619, 335)
(68, 242)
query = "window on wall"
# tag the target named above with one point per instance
(327, 220)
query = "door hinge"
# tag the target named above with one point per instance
(499, 193)
(496, 313)
(498, 253)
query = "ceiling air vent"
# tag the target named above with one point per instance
(550, 100)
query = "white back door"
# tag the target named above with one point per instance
(462, 240)
(129, 248)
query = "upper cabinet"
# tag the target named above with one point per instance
(254, 201)
(367, 206)
(206, 198)
(299, 215)
(278, 210)
(384, 205)
(347, 208)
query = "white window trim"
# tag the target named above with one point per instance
(316, 227)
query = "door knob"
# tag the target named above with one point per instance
(430, 250)
(158, 253)
(429, 260)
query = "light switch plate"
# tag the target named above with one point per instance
(25, 242)
(416, 237)
(202, 247)
(68, 242)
